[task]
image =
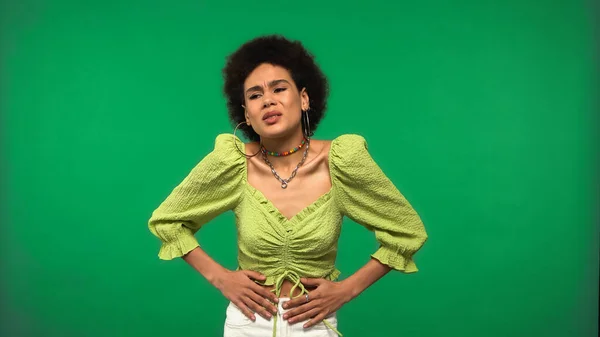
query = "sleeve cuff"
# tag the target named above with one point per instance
(180, 244)
(395, 260)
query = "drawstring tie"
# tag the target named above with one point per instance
(295, 279)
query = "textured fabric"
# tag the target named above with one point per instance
(238, 325)
(305, 245)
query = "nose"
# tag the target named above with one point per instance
(267, 100)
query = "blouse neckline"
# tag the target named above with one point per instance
(270, 207)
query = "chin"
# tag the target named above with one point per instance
(272, 135)
(276, 132)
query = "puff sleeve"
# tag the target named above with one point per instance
(367, 196)
(212, 187)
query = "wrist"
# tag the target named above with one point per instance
(350, 289)
(216, 277)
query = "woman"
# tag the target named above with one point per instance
(289, 193)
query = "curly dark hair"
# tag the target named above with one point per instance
(276, 50)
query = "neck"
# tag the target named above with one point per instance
(283, 144)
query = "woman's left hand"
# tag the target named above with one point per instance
(326, 298)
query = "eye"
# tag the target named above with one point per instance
(280, 89)
(254, 96)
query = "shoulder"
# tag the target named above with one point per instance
(349, 138)
(348, 145)
(227, 141)
(230, 142)
(228, 149)
(349, 156)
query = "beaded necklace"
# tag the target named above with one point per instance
(285, 153)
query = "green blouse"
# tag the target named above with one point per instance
(305, 245)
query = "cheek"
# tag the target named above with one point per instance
(254, 116)
(291, 99)
(253, 110)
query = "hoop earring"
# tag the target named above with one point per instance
(307, 131)
(236, 145)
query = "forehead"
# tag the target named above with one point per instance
(266, 73)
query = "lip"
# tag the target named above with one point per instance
(271, 114)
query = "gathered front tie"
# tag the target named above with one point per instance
(294, 278)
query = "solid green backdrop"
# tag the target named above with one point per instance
(481, 112)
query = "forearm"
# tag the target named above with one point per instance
(205, 265)
(365, 277)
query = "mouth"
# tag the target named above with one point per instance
(271, 115)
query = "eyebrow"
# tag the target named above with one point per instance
(271, 84)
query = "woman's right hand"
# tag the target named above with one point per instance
(241, 290)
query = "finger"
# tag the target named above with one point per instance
(264, 305)
(315, 320)
(312, 282)
(264, 293)
(304, 316)
(298, 301)
(245, 310)
(254, 275)
(299, 310)
(255, 307)
(265, 299)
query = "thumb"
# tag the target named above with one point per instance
(254, 275)
(314, 282)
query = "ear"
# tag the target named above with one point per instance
(246, 115)
(304, 100)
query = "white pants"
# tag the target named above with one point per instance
(238, 325)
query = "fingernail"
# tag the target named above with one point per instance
(285, 316)
(276, 300)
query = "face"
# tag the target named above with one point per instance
(273, 103)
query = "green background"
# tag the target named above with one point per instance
(484, 114)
